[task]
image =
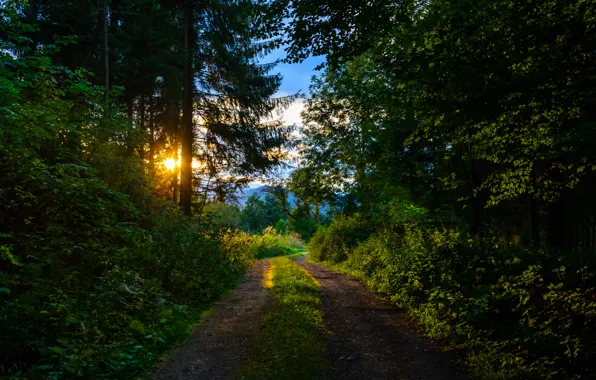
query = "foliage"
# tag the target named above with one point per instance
(271, 243)
(519, 313)
(490, 134)
(333, 242)
(99, 275)
(276, 211)
(473, 118)
(258, 214)
(291, 344)
(222, 214)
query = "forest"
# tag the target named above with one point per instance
(446, 159)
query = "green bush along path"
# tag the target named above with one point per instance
(289, 319)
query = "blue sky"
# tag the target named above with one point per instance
(296, 76)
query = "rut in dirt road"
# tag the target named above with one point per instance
(225, 339)
(370, 339)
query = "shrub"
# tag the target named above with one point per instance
(520, 313)
(271, 244)
(108, 306)
(222, 215)
(333, 242)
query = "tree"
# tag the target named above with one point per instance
(187, 135)
(254, 214)
(493, 119)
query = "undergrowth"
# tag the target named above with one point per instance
(291, 344)
(519, 313)
(271, 243)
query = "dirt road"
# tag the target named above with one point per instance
(370, 339)
(225, 339)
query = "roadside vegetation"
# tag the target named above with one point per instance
(453, 141)
(101, 271)
(271, 243)
(446, 158)
(264, 228)
(292, 341)
(518, 312)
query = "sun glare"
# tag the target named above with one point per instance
(170, 163)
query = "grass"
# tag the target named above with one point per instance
(297, 255)
(272, 244)
(292, 343)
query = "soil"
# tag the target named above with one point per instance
(225, 339)
(367, 338)
(372, 339)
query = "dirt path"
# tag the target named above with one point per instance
(225, 339)
(370, 339)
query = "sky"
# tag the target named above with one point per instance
(296, 77)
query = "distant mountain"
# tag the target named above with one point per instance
(260, 192)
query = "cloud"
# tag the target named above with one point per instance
(292, 114)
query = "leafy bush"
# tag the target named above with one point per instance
(113, 303)
(97, 275)
(222, 215)
(520, 313)
(334, 242)
(271, 244)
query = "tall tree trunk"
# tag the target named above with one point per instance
(557, 215)
(151, 136)
(478, 200)
(556, 224)
(204, 200)
(106, 53)
(187, 113)
(534, 212)
(142, 129)
(176, 169)
(129, 108)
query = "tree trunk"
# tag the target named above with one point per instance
(556, 224)
(142, 129)
(534, 212)
(151, 136)
(478, 200)
(129, 108)
(176, 169)
(106, 53)
(187, 114)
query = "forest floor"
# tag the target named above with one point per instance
(367, 338)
